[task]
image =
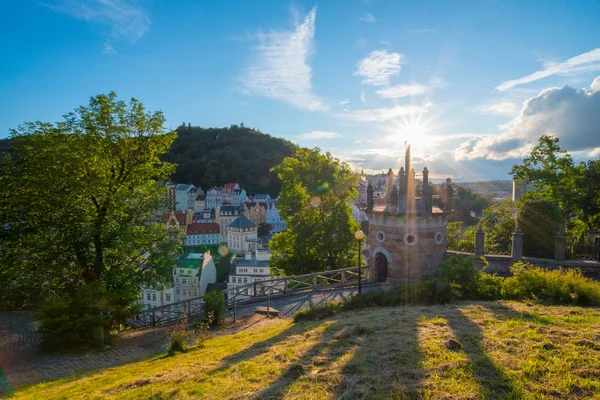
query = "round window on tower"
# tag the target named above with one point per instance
(410, 239)
(439, 238)
(380, 236)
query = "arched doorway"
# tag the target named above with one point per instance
(381, 267)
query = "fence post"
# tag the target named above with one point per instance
(517, 244)
(479, 242)
(343, 278)
(560, 244)
(314, 282)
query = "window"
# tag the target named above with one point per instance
(261, 270)
(410, 239)
(184, 281)
(195, 292)
(153, 296)
(148, 297)
(181, 271)
(245, 280)
(255, 270)
(184, 292)
(177, 291)
(168, 297)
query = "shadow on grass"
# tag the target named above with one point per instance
(386, 365)
(318, 360)
(264, 346)
(492, 380)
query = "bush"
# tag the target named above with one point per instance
(489, 286)
(556, 286)
(462, 275)
(75, 321)
(214, 306)
(317, 313)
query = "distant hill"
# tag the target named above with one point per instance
(500, 188)
(214, 156)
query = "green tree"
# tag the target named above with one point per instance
(316, 200)
(539, 221)
(575, 189)
(80, 200)
(499, 223)
(263, 229)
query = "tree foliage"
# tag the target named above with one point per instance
(316, 199)
(574, 188)
(79, 200)
(539, 221)
(467, 206)
(263, 229)
(213, 156)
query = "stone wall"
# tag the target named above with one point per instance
(409, 245)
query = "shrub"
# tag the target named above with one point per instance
(179, 336)
(556, 286)
(489, 286)
(317, 313)
(75, 321)
(214, 304)
(462, 275)
(434, 291)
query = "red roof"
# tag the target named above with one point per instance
(203, 229)
(179, 215)
(230, 186)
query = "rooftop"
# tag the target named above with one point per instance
(242, 222)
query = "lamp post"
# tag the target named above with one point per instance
(359, 235)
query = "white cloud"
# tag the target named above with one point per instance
(319, 135)
(108, 49)
(363, 97)
(383, 114)
(368, 18)
(596, 85)
(344, 102)
(503, 108)
(397, 91)
(124, 19)
(280, 69)
(378, 67)
(585, 62)
(572, 115)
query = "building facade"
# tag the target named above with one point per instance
(225, 216)
(274, 219)
(203, 234)
(256, 212)
(242, 236)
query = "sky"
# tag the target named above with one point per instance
(471, 85)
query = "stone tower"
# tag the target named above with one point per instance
(407, 234)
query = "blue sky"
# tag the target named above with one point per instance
(471, 84)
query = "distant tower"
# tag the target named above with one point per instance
(519, 189)
(407, 235)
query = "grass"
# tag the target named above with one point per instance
(501, 349)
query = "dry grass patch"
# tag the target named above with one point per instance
(473, 350)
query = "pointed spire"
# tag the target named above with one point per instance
(362, 172)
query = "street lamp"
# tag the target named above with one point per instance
(359, 235)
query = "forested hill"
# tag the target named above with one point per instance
(214, 156)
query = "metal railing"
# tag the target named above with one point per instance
(252, 293)
(583, 250)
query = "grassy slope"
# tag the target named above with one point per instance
(505, 349)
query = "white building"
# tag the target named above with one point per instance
(184, 198)
(249, 270)
(241, 235)
(225, 216)
(202, 234)
(262, 198)
(156, 297)
(358, 214)
(274, 219)
(213, 198)
(193, 274)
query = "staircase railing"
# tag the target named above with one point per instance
(252, 292)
